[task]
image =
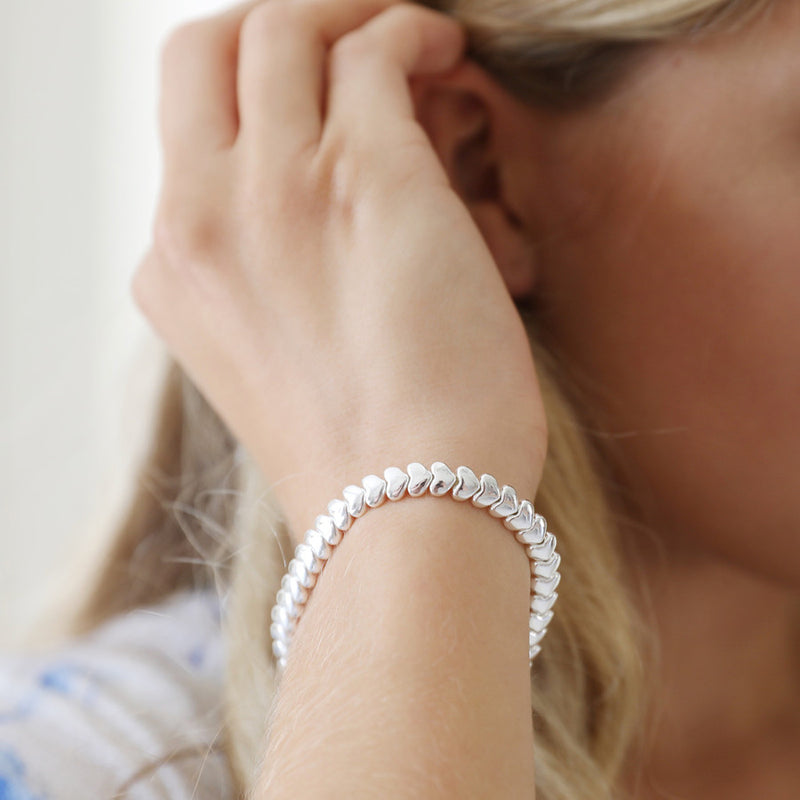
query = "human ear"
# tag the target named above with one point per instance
(468, 118)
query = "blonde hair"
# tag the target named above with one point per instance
(201, 514)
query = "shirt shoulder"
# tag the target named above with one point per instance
(131, 710)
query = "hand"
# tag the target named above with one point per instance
(312, 269)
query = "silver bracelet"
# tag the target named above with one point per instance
(310, 557)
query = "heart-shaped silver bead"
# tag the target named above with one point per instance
(522, 519)
(542, 603)
(467, 484)
(544, 549)
(279, 648)
(443, 479)
(546, 569)
(506, 505)
(489, 492)
(341, 517)
(291, 585)
(539, 622)
(396, 483)
(319, 547)
(374, 490)
(281, 619)
(419, 478)
(280, 616)
(284, 599)
(298, 570)
(306, 557)
(536, 533)
(279, 632)
(546, 585)
(354, 496)
(534, 637)
(327, 528)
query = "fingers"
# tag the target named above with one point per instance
(275, 73)
(198, 108)
(283, 53)
(371, 68)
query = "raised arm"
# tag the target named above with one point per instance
(316, 274)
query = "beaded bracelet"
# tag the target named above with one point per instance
(310, 557)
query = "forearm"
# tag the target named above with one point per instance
(408, 675)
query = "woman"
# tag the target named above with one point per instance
(560, 249)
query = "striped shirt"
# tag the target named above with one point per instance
(93, 719)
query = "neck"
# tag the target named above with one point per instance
(729, 672)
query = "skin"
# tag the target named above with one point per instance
(310, 287)
(658, 234)
(660, 238)
(277, 226)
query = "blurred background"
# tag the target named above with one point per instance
(79, 177)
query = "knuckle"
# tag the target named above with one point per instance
(141, 283)
(180, 40)
(149, 288)
(406, 15)
(271, 19)
(335, 180)
(354, 45)
(367, 42)
(185, 237)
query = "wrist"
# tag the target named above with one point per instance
(303, 494)
(417, 482)
(418, 625)
(425, 560)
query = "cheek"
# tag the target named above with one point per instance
(678, 303)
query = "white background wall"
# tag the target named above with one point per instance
(79, 175)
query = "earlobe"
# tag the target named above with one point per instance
(459, 114)
(514, 254)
